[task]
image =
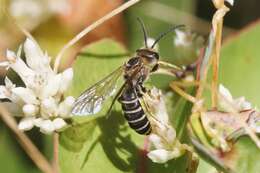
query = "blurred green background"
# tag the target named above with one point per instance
(54, 22)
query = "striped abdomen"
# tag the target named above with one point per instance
(134, 112)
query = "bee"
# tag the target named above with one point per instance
(135, 72)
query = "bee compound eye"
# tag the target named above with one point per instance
(132, 62)
(156, 55)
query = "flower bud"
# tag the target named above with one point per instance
(30, 110)
(66, 79)
(66, 106)
(49, 107)
(47, 127)
(162, 156)
(26, 123)
(59, 123)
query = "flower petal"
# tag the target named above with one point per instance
(30, 109)
(170, 135)
(48, 107)
(150, 42)
(35, 57)
(181, 38)
(19, 66)
(52, 86)
(66, 78)
(156, 141)
(47, 127)
(26, 123)
(37, 122)
(59, 123)
(26, 95)
(4, 93)
(9, 84)
(225, 93)
(242, 104)
(162, 156)
(65, 107)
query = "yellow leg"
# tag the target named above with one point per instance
(168, 65)
(176, 86)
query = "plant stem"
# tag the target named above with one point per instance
(90, 28)
(215, 64)
(217, 23)
(32, 151)
(212, 53)
(56, 167)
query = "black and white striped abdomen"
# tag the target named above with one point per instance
(134, 112)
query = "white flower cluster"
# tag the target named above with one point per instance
(18, 8)
(41, 100)
(163, 138)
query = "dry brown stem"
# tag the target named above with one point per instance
(26, 143)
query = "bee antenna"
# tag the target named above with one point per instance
(165, 33)
(144, 31)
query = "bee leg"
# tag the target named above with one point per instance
(148, 110)
(140, 90)
(178, 88)
(155, 68)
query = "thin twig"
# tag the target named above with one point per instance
(90, 28)
(26, 143)
(217, 23)
(212, 53)
(56, 152)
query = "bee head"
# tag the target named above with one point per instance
(148, 55)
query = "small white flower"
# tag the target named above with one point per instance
(182, 38)
(150, 42)
(163, 138)
(6, 91)
(59, 123)
(41, 100)
(49, 107)
(35, 58)
(26, 95)
(30, 110)
(66, 78)
(65, 106)
(229, 104)
(38, 11)
(26, 123)
(47, 127)
(162, 155)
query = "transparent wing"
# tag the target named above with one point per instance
(92, 99)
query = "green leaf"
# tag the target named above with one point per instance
(239, 72)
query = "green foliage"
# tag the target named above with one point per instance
(239, 72)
